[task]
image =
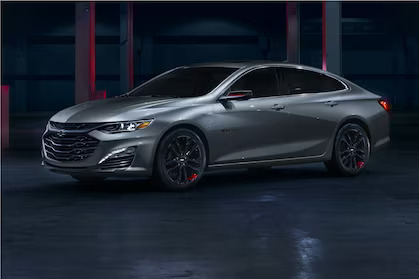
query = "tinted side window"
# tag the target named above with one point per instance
(302, 81)
(263, 83)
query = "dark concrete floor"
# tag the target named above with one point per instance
(292, 222)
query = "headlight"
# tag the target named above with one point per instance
(121, 127)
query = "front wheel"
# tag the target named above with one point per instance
(180, 160)
(351, 151)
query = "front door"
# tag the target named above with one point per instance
(253, 129)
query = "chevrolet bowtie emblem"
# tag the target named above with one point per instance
(61, 133)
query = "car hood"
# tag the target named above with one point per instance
(119, 109)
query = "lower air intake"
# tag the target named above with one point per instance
(120, 162)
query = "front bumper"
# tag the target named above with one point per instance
(142, 163)
(97, 171)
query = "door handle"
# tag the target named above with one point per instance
(331, 103)
(277, 107)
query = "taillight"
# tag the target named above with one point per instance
(384, 104)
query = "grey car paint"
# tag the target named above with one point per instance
(260, 131)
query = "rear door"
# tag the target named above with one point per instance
(246, 130)
(309, 99)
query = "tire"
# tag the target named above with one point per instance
(90, 180)
(351, 151)
(180, 160)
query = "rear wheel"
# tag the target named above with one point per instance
(351, 151)
(180, 160)
(88, 179)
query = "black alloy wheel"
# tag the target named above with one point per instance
(351, 150)
(180, 160)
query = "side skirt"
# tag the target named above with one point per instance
(272, 162)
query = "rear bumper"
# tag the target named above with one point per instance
(381, 143)
(380, 130)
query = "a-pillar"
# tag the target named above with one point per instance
(332, 37)
(85, 75)
(126, 46)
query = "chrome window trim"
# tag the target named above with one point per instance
(318, 72)
(224, 85)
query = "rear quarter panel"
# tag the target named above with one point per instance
(363, 106)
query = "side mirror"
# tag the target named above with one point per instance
(237, 95)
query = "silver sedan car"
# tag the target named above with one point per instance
(196, 118)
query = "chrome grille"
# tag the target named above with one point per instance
(73, 126)
(69, 147)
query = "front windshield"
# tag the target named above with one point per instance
(185, 82)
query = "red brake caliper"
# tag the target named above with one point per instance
(192, 177)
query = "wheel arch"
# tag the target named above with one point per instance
(189, 126)
(356, 120)
(350, 119)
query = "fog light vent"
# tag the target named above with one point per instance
(119, 158)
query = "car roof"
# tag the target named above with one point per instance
(228, 64)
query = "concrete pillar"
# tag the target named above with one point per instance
(85, 52)
(126, 40)
(332, 37)
(293, 32)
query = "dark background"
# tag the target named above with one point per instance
(379, 42)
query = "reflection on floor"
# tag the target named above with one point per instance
(291, 222)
